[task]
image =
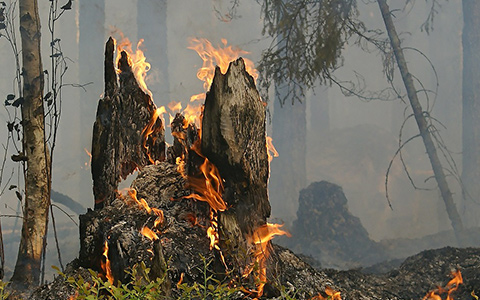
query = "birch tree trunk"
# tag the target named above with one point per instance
(37, 173)
(422, 123)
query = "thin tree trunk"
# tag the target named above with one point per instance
(91, 40)
(152, 28)
(471, 110)
(37, 175)
(422, 123)
(288, 174)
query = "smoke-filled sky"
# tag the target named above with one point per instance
(354, 149)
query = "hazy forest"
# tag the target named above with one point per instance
(351, 125)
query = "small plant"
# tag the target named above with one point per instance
(139, 287)
(210, 288)
(3, 293)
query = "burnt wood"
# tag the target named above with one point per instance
(233, 139)
(120, 143)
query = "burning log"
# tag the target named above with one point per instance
(127, 134)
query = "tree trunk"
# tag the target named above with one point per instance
(422, 123)
(471, 111)
(289, 168)
(37, 175)
(91, 40)
(127, 134)
(152, 28)
(233, 139)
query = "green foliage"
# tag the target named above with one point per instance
(3, 287)
(308, 39)
(139, 287)
(210, 288)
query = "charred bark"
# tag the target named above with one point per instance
(127, 133)
(233, 139)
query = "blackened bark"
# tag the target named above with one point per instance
(127, 133)
(422, 123)
(233, 139)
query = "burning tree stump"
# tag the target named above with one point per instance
(127, 133)
(209, 199)
(233, 139)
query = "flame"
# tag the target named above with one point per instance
(175, 106)
(143, 204)
(106, 267)
(271, 151)
(209, 187)
(451, 287)
(220, 56)
(148, 130)
(331, 295)
(136, 60)
(261, 239)
(90, 160)
(180, 280)
(150, 234)
(73, 297)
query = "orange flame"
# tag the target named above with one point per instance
(209, 187)
(148, 130)
(136, 60)
(143, 204)
(221, 56)
(106, 267)
(180, 280)
(87, 164)
(73, 297)
(451, 287)
(150, 234)
(331, 295)
(261, 239)
(271, 151)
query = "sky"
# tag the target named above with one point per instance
(354, 151)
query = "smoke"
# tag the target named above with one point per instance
(349, 141)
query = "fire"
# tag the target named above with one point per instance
(148, 130)
(89, 155)
(221, 56)
(136, 59)
(143, 204)
(209, 187)
(331, 295)
(261, 239)
(106, 265)
(73, 297)
(150, 234)
(180, 280)
(271, 151)
(451, 287)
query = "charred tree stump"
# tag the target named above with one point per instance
(127, 133)
(233, 139)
